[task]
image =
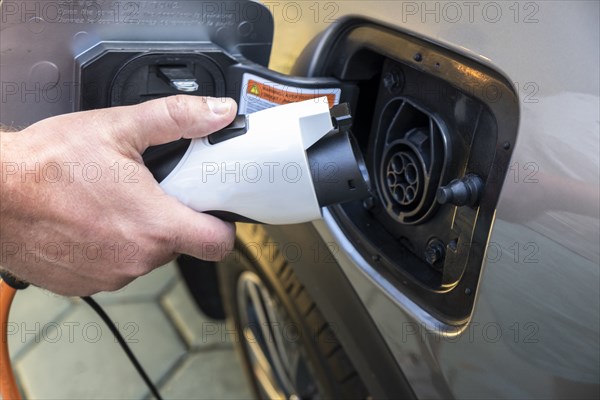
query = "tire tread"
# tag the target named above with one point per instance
(347, 383)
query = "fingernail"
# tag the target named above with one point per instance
(219, 105)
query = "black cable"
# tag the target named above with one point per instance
(92, 303)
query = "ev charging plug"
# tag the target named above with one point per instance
(276, 166)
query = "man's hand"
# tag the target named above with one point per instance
(79, 212)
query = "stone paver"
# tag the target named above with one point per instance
(214, 374)
(73, 355)
(33, 312)
(198, 330)
(86, 362)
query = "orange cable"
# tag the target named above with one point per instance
(8, 385)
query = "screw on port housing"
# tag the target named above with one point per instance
(392, 81)
(435, 252)
(369, 203)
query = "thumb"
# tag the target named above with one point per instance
(169, 119)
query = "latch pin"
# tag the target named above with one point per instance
(180, 78)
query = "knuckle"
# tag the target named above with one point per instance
(171, 240)
(140, 267)
(179, 112)
(116, 285)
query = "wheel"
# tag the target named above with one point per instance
(288, 348)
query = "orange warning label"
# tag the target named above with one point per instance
(282, 96)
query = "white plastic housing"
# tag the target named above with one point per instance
(263, 175)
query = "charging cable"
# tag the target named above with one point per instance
(8, 385)
(8, 288)
(96, 307)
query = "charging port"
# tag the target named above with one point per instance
(434, 149)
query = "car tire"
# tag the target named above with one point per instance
(287, 347)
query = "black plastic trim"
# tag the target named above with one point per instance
(338, 171)
(162, 160)
(238, 127)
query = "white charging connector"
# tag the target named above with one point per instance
(260, 168)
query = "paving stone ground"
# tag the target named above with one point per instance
(62, 350)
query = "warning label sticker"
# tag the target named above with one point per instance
(260, 93)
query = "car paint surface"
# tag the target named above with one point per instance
(534, 329)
